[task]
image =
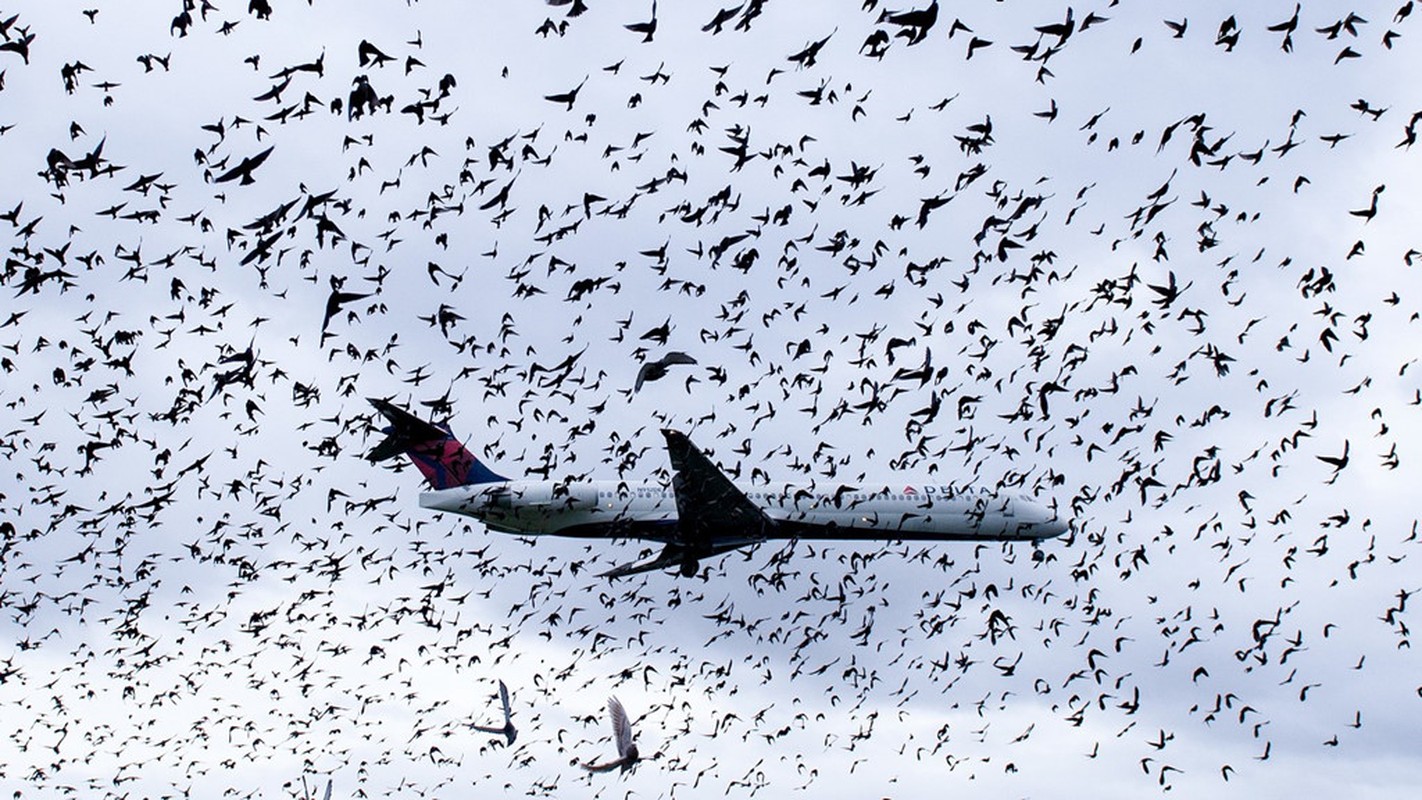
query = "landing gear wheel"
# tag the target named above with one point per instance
(689, 568)
(1037, 555)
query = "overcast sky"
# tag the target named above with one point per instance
(1163, 281)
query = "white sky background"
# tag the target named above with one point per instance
(257, 623)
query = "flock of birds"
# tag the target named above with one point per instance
(1152, 263)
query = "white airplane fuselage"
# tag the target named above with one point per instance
(699, 511)
(648, 510)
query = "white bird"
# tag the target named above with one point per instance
(507, 730)
(622, 731)
(306, 793)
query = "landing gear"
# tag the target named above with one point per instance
(689, 567)
(1037, 555)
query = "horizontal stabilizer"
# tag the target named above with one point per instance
(405, 430)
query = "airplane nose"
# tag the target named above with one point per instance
(1052, 527)
(1044, 521)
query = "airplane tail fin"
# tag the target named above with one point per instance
(440, 457)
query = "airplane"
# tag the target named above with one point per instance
(700, 512)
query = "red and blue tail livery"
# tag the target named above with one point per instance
(440, 457)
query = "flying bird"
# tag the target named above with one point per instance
(627, 756)
(656, 370)
(334, 303)
(245, 169)
(648, 29)
(569, 97)
(368, 53)
(722, 17)
(507, 730)
(916, 22)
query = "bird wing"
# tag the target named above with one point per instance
(256, 160)
(643, 375)
(504, 698)
(621, 727)
(245, 168)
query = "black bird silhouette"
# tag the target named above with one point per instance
(91, 162)
(245, 169)
(1339, 463)
(722, 17)
(1168, 293)
(1062, 30)
(334, 303)
(1228, 35)
(917, 22)
(20, 46)
(806, 57)
(1287, 27)
(914, 18)
(649, 28)
(578, 7)
(363, 98)
(656, 370)
(569, 97)
(1367, 214)
(660, 333)
(368, 53)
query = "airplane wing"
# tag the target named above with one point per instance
(710, 509)
(713, 516)
(675, 556)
